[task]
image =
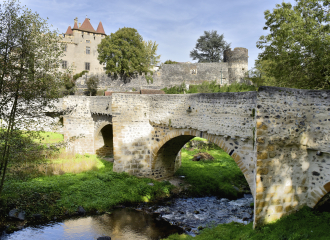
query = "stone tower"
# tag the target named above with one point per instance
(80, 47)
(237, 63)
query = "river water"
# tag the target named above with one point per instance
(145, 222)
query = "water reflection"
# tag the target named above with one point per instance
(121, 224)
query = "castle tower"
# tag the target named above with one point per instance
(237, 63)
(80, 47)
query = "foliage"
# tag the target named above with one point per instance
(124, 53)
(209, 47)
(69, 84)
(78, 75)
(216, 177)
(210, 87)
(29, 78)
(298, 46)
(149, 79)
(92, 83)
(304, 224)
(170, 62)
(151, 55)
(259, 75)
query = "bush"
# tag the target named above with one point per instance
(210, 87)
(92, 83)
(78, 75)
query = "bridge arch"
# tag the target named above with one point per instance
(103, 140)
(165, 161)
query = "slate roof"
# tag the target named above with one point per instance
(100, 28)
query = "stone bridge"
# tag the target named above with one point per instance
(278, 137)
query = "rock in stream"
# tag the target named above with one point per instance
(194, 214)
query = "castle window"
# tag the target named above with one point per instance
(87, 66)
(88, 50)
(65, 48)
(64, 64)
(88, 41)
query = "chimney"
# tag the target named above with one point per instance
(89, 19)
(79, 25)
(76, 20)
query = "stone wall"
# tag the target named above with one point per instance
(293, 148)
(144, 125)
(231, 70)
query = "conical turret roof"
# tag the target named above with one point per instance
(100, 28)
(75, 26)
(69, 31)
(87, 26)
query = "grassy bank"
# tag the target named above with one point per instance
(219, 177)
(56, 184)
(305, 224)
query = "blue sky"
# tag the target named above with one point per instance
(174, 24)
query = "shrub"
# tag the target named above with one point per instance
(92, 83)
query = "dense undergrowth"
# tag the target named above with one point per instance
(219, 177)
(210, 87)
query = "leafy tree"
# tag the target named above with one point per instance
(69, 84)
(170, 62)
(151, 55)
(298, 46)
(259, 75)
(124, 53)
(209, 47)
(92, 83)
(29, 77)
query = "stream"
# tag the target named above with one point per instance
(145, 222)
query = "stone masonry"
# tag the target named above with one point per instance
(278, 137)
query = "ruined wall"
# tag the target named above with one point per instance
(231, 70)
(292, 126)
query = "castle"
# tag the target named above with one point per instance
(80, 47)
(81, 54)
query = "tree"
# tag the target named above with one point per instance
(123, 53)
(259, 75)
(29, 78)
(298, 46)
(92, 83)
(151, 55)
(209, 47)
(170, 62)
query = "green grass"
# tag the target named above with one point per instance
(50, 137)
(215, 177)
(59, 182)
(305, 224)
(98, 189)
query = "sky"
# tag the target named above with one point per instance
(174, 24)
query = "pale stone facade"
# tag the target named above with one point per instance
(80, 48)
